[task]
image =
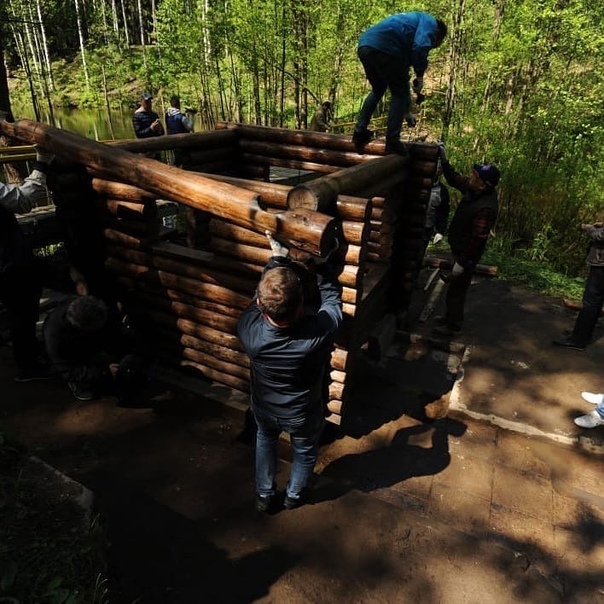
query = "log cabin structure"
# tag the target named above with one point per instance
(188, 294)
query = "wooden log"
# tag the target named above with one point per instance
(178, 267)
(274, 195)
(336, 391)
(226, 323)
(575, 305)
(176, 340)
(121, 191)
(307, 138)
(339, 359)
(189, 286)
(295, 164)
(219, 376)
(335, 407)
(320, 194)
(302, 152)
(220, 156)
(127, 210)
(203, 332)
(208, 140)
(480, 269)
(213, 362)
(334, 418)
(337, 376)
(247, 253)
(134, 287)
(309, 231)
(147, 230)
(355, 232)
(125, 239)
(349, 309)
(232, 232)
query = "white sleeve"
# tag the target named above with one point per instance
(20, 199)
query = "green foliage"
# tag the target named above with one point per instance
(517, 82)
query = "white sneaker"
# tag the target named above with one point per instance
(592, 397)
(591, 420)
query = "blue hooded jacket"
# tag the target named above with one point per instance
(408, 36)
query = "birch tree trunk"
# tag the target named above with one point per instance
(82, 48)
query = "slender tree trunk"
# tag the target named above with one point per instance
(13, 172)
(82, 47)
(126, 32)
(45, 48)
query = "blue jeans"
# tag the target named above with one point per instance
(593, 297)
(304, 433)
(384, 71)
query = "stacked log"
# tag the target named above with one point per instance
(189, 301)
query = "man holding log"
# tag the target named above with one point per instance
(289, 346)
(20, 275)
(468, 234)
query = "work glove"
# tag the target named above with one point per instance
(411, 120)
(457, 269)
(323, 260)
(278, 249)
(43, 156)
(437, 238)
(418, 85)
(442, 153)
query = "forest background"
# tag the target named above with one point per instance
(517, 82)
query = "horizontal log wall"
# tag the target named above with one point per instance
(192, 304)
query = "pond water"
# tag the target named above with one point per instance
(96, 124)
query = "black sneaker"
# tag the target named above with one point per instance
(362, 137)
(396, 147)
(80, 392)
(265, 504)
(33, 375)
(569, 344)
(291, 503)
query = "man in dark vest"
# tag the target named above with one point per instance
(468, 233)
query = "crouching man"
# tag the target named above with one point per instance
(289, 346)
(78, 342)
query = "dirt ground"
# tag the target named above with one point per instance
(494, 504)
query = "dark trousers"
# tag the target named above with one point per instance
(384, 71)
(593, 298)
(20, 290)
(456, 298)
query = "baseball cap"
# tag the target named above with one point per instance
(146, 96)
(488, 172)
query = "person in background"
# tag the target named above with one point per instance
(289, 346)
(596, 417)
(387, 51)
(178, 122)
(469, 231)
(321, 119)
(20, 273)
(145, 121)
(437, 212)
(593, 294)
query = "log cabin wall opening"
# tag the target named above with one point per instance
(187, 288)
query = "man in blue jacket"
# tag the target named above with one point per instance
(387, 51)
(289, 347)
(178, 122)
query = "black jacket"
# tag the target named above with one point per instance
(289, 363)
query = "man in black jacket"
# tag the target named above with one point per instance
(289, 349)
(468, 233)
(145, 121)
(20, 274)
